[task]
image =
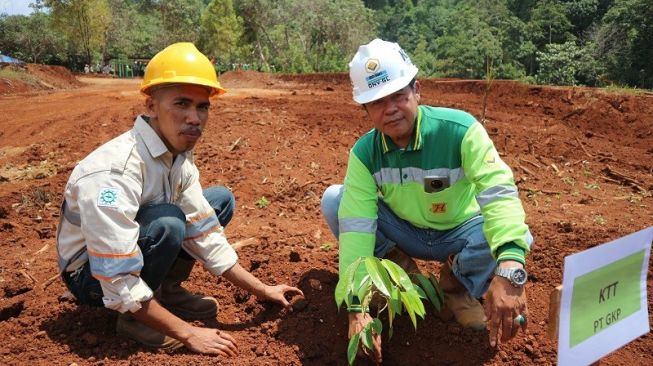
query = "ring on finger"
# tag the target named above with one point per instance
(520, 319)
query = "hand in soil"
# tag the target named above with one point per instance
(211, 341)
(503, 303)
(358, 321)
(278, 294)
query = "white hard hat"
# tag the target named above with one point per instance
(379, 68)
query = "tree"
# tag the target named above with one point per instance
(84, 23)
(180, 20)
(582, 14)
(567, 64)
(30, 38)
(549, 23)
(37, 39)
(624, 42)
(221, 31)
(125, 40)
(322, 39)
(466, 48)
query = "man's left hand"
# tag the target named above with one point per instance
(277, 294)
(505, 302)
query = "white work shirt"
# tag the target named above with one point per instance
(103, 195)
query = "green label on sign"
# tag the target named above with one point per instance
(605, 296)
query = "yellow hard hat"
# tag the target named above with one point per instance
(181, 63)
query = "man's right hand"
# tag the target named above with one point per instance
(201, 340)
(211, 341)
(358, 321)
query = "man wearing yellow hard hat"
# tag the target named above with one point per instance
(135, 218)
(428, 183)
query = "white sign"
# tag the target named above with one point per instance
(603, 304)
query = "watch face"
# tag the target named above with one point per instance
(519, 276)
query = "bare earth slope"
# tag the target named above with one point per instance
(583, 160)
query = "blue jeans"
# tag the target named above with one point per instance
(162, 231)
(473, 263)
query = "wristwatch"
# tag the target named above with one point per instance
(517, 276)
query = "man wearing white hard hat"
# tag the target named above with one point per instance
(428, 183)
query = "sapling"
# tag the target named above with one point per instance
(262, 202)
(489, 77)
(387, 281)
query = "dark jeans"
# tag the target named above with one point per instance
(162, 231)
(473, 264)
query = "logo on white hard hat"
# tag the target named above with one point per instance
(377, 79)
(372, 65)
(404, 56)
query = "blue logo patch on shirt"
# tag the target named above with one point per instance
(108, 197)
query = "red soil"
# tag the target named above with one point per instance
(567, 147)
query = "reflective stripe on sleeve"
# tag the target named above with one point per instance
(111, 265)
(494, 193)
(195, 229)
(357, 224)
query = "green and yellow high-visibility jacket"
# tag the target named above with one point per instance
(445, 142)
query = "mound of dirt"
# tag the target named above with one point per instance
(57, 76)
(29, 77)
(246, 79)
(335, 78)
(8, 86)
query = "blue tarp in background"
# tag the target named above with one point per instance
(10, 60)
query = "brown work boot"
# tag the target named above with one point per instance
(181, 302)
(458, 302)
(127, 326)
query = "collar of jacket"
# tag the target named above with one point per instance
(153, 142)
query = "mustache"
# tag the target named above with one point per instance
(191, 130)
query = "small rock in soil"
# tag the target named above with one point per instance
(257, 261)
(240, 296)
(294, 256)
(315, 284)
(298, 303)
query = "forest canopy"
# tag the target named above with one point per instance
(560, 42)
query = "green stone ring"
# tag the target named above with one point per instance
(520, 319)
